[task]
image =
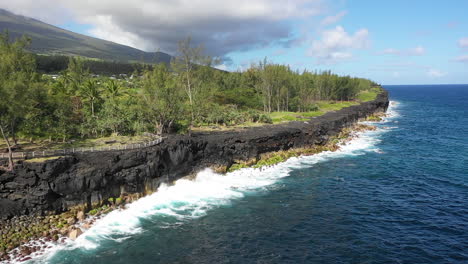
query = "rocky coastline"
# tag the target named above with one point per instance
(50, 199)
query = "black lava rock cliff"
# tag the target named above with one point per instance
(89, 178)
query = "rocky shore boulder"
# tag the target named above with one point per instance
(75, 233)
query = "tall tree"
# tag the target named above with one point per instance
(17, 71)
(90, 90)
(161, 98)
(112, 114)
(187, 65)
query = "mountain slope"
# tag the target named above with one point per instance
(51, 40)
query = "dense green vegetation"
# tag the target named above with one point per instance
(160, 99)
(54, 64)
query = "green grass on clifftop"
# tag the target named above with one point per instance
(324, 106)
(369, 95)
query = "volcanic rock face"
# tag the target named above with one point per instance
(91, 178)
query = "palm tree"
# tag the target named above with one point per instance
(113, 89)
(91, 91)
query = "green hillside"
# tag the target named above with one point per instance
(51, 40)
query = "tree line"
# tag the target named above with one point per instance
(159, 99)
(52, 64)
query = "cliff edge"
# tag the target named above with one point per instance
(90, 178)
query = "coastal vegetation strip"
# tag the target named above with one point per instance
(177, 98)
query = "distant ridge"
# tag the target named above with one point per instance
(52, 40)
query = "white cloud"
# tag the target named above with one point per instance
(417, 51)
(335, 56)
(336, 44)
(462, 58)
(49, 11)
(222, 67)
(433, 73)
(329, 20)
(114, 33)
(223, 26)
(463, 43)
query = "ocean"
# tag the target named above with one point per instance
(395, 195)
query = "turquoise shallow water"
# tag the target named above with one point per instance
(397, 195)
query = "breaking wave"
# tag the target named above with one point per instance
(187, 199)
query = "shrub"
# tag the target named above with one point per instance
(93, 212)
(265, 119)
(235, 167)
(253, 115)
(312, 107)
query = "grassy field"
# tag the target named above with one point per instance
(281, 117)
(324, 106)
(369, 95)
(211, 128)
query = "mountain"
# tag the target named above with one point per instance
(52, 40)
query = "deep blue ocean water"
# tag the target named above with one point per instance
(396, 195)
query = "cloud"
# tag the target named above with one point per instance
(222, 67)
(109, 31)
(336, 45)
(329, 20)
(222, 26)
(462, 58)
(463, 43)
(433, 73)
(417, 51)
(50, 11)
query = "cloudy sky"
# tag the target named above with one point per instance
(391, 42)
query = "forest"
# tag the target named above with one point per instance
(55, 64)
(177, 98)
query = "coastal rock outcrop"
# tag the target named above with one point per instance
(90, 179)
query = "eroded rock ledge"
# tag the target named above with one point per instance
(91, 178)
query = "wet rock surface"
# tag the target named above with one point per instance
(23, 237)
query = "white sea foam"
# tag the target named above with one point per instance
(392, 112)
(187, 199)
